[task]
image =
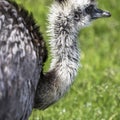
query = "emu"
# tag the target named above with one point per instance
(23, 85)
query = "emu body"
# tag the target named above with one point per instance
(22, 52)
(23, 85)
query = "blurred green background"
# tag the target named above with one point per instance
(95, 94)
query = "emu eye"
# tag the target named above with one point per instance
(77, 15)
(89, 9)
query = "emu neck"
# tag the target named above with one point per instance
(65, 59)
(63, 69)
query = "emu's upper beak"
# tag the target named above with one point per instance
(98, 13)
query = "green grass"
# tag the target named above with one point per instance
(95, 94)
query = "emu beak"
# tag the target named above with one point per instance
(98, 13)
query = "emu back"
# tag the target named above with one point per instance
(22, 52)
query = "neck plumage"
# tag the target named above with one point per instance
(63, 68)
(65, 59)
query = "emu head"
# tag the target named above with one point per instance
(69, 16)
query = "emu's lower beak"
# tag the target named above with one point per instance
(98, 13)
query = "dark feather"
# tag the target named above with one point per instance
(22, 53)
(61, 1)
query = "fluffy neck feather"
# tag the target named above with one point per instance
(63, 68)
(64, 50)
(65, 57)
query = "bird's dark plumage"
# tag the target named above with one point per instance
(23, 85)
(22, 52)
